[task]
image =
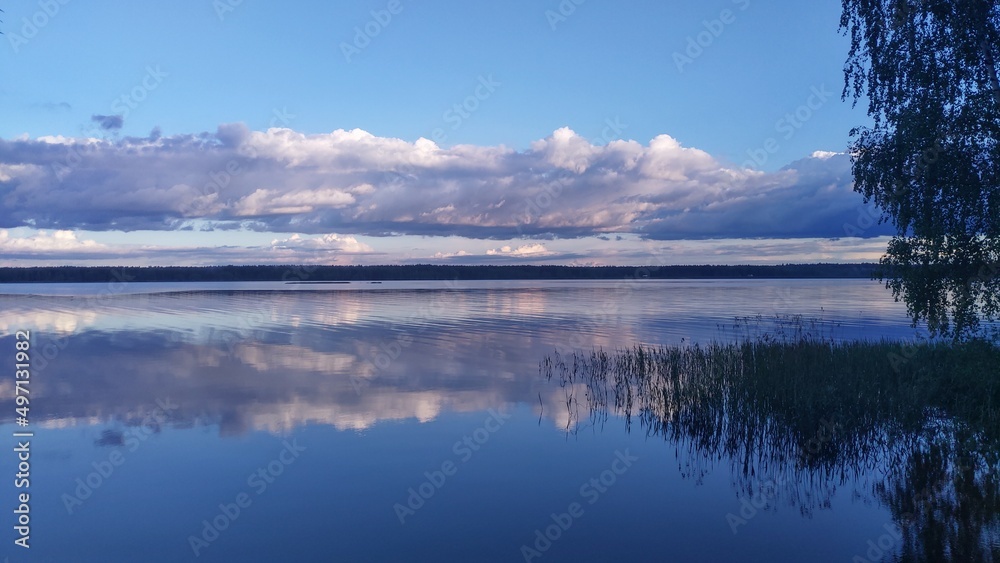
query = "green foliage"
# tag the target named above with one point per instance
(931, 159)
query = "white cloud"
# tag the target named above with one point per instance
(326, 243)
(446, 255)
(10, 171)
(67, 247)
(565, 149)
(273, 202)
(45, 242)
(521, 251)
(824, 155)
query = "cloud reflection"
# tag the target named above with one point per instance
(256, 361)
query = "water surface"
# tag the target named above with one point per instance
(402, 421)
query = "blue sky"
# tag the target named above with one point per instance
(511, 94)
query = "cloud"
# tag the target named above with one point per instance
(450, 255)
(43, 248)
(108, 122)
(354, 183)
(630, 251)
(66, 247)
(326, 243)
(55, 106)
(274, 202)
(823, 155)
(572, 252)
(527, 250)
(44, 243)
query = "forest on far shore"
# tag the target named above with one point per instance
(102, 274)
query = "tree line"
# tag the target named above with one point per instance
(104, 274)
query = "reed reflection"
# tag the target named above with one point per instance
(795, 416)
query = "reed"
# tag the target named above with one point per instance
(791, 404)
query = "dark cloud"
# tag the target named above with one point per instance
(108, 122)
(111, 438)
(55, 106)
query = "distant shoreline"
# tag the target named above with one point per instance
(421, 272)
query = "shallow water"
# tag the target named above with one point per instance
(402, 421)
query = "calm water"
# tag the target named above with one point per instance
(401, 422)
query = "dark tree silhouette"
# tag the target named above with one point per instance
(109, 274)
(931, 158)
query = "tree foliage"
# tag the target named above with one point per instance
(931, 158)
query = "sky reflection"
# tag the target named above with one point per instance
(198, 390)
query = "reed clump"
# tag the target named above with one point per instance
(792, 398)
(797, 413)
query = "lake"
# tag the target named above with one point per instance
(411, 421)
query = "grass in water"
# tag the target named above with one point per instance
(797, 413)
